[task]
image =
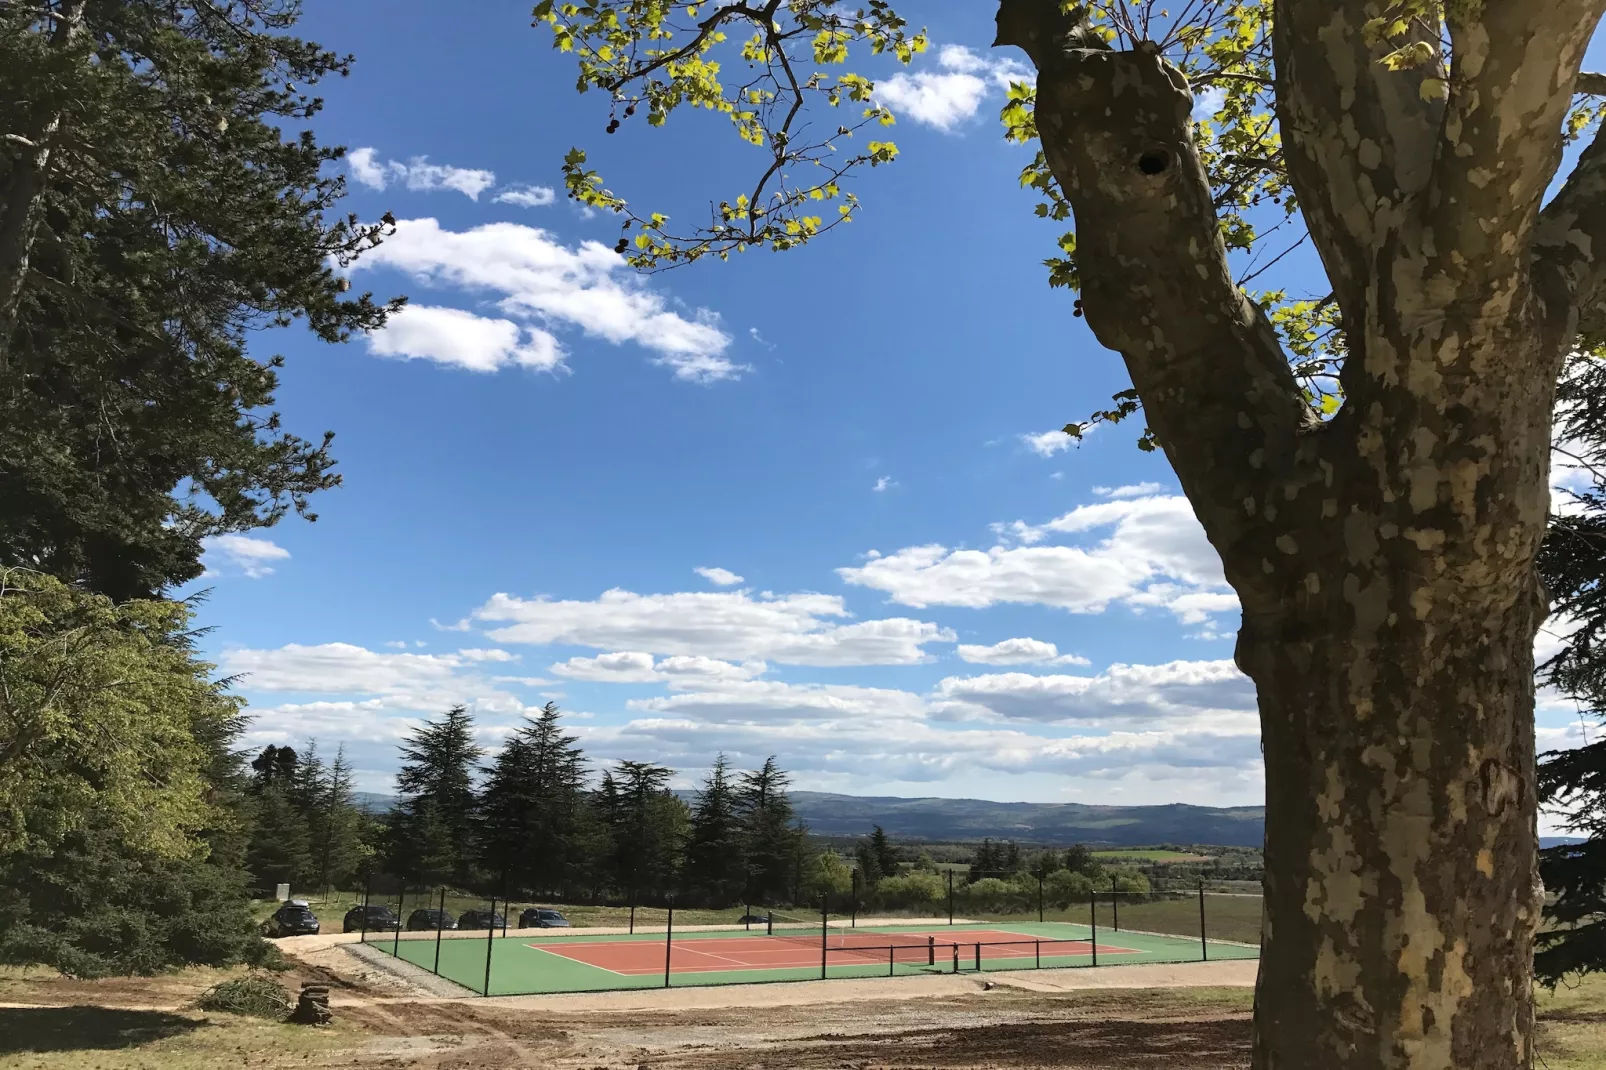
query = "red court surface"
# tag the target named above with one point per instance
(643, 957)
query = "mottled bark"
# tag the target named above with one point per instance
(1384, 559)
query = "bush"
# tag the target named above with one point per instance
(1065, 887)
(912, 889)
(255, 995)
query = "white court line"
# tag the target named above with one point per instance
(582, 962)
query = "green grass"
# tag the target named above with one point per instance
(518, 968)
(1148, 854)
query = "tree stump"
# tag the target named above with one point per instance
(313, 1006)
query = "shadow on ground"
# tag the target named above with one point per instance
(1107, 1045)
(42, 1029)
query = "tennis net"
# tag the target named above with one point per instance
(903, 947)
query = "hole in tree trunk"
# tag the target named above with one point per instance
(1154, 162)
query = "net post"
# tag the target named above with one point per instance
(978, 956)
(1204, 947)
(769, 922)
(1115, 903)
(931, 951)
(825, 916)
(956, 957)
(401, 913)
(1038, 957)
(1039, 900)
(892, 958)
(669, 939)
(367, 890)
(1093, 915)
(440, 924)
(490, 944)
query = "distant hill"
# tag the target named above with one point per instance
(1048, 823)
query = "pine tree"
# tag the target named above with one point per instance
(338, 848)
(280, 846)
(716, 857)
(1078, 859)
(985, 862)
(648, 826)
(774, 840)
(886, 857)
(867, 864)
(1011, 861)
(438, 763)
(159, 203)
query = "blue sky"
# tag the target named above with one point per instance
(798, 504)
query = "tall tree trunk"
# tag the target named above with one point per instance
(1384, 558)
(1401, 889)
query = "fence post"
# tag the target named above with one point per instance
(440, 923)
(978, 956)
(669, 939)
(490, 944)
(1115, 903)
(632, 912)
(747, 916)
(931, 951)
(825, 930)
(1039, 900)
(951, 897)
(956, 957)
(1204, 948)
(853, 910)
(1094, 915)
(1039, 953)
(367, 888)
(892, 951)
(401, 914)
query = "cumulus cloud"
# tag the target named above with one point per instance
(1155, 555)
(639, 667)
(478, 343)
(526, 196)
(1131, 490)
(793, 629)
(947, 97)
(723, 577)
(1196, 694)
(1048, 443)
(539, 282)
(882, 484)
(248, 553)
(773, 701)
(1019, 652)
(417, 174)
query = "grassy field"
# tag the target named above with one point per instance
(1148, 854)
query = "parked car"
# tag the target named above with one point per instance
(381, 919)
(481, 919)
(753, 919)
(292, 919)
(429, 919)
(542, 918)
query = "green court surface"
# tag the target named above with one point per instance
(534, 961)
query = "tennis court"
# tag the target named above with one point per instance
(532, 962)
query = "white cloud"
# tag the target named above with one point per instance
(1207, 102)
(1019, 652)
(794, 629)
(247, 553)
(533, 278)
(417, 174)
(1155, 556)
(1131, 490)
(946, 99)
(451, 336)
(639, 667)
(1048, 443)
(723, 577)
(773, 701)
(882, 484)
(1196, 695)
(526, 196)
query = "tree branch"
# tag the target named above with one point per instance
(1357, 137)
(1215, 385)
(1510, 88)
(1569, 243)
(1590, 82)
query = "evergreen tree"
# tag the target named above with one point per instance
(1011, 861)
(648, 826)
(154, 213)
(280, 846)
(886, 857)
(716, 856)
(1572, 562)
(985, 862)
(436, 782)
(867, 863)
(1078, 859)
(774, 840)
(338, 847)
